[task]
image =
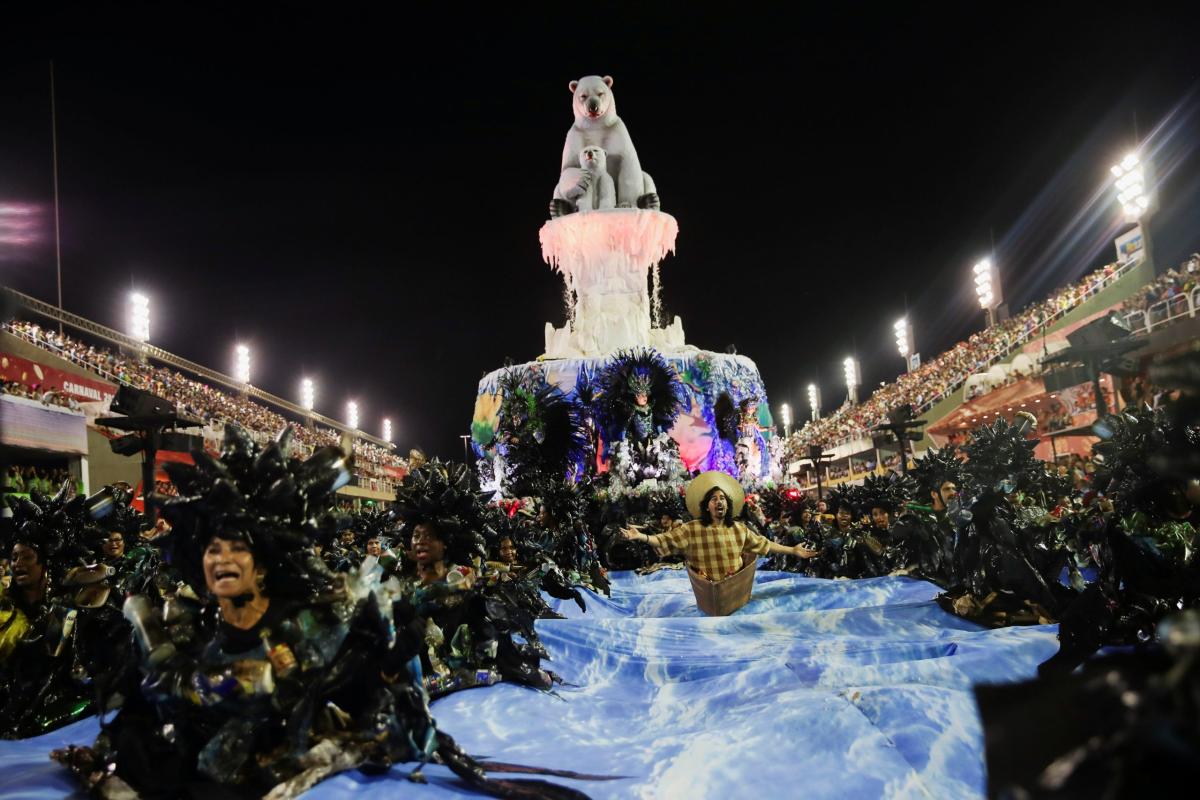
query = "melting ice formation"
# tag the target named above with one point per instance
(608, 260)
(839, 689)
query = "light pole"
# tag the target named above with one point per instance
(814, 401)
(987, 288)
(850, 365)
(308, 395)
(139, 321)
(1134, 195)
(904, 341)
(241, 365)
(352, 414)
(785, 413)
(387, 430)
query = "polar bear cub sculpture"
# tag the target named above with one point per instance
(600, 190)
(597, 125)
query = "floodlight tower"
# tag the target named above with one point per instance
(904, 341)
(308, 394)
(785, 414)
(987, 288)
(241, 366)
(352, 414)
(139, 321)
(387, 430)
(1134, 195)
(853, 379)
(814, 401)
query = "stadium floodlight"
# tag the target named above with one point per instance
(814, 401)
(307, 394)
(241, 363)
(904, 340)
(850, 366)
(987, 288)
(139, 317)
(1132, 194)
(785, 414)
(352, 414)
(387, 430)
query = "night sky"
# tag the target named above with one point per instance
(358, 197)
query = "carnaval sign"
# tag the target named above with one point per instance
(44, 379)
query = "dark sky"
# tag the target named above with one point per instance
(357, 194)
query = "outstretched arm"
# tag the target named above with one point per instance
(661, 542)
(798, 550)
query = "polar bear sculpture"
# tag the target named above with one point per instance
(597, 125)
(600, 191)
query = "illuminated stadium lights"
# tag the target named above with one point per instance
(1132, 194)
(241, 363)
(352, 414)
(307, 394)
(139, 317)
(850, 366)
(904, 342)
(987, 288)
(814, 401)
(983, 283)
(785, 414)
(387, 430)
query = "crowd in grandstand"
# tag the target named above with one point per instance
(29, 478)
(1173, 284)
(190, 396)
(936, 378)
(48, 398)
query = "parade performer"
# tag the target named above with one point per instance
(713, 543)
(59, 635)
(263, 672)
(540, 436)
(640, 396)
(475, 631)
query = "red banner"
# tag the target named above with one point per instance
(44, 379)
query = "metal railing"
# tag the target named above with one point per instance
(1163, 312)
(170, 359)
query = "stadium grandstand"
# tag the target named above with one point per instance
(1000, 371)
(55, 387)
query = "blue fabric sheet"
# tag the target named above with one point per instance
(816, 688)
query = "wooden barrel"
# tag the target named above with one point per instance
(724, 597)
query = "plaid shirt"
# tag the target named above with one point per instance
(714, 551)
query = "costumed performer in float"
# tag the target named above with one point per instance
(263, 672)
(714, 543)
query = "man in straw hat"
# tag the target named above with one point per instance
(713, 542)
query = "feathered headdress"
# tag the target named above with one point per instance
(935, 468)
(847, 496)
(64, 532)
(889, 492)
(278, 505)
(446, 496)
(629, 374)
(1000, 458)
(540, 435)
(1129, 462)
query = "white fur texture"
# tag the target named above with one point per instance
(597, 124)
(601, 193)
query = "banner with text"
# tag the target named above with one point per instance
(44, 379)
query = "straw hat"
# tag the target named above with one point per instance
(707, 480)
